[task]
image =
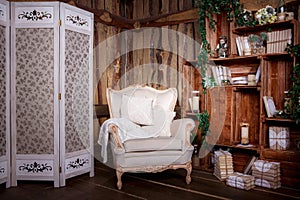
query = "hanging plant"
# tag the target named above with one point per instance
(294, 50)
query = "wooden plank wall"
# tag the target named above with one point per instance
(136, 66)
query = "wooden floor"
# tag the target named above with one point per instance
(169, 184)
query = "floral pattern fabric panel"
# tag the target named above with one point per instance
(2, 91)
(77, 91)
(35, 90)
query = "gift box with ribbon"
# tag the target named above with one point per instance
(279, 138)
(241, 181)
(267, 174)
(223, 164)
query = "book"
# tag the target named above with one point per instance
(215, 73)
(257, 75)
(239, 46)
(278, 40)
(269, 105)
(240, 80)
(248, 167)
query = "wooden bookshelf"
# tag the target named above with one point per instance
(231, 105)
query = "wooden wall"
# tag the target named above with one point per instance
(154, 67)
(149, 66)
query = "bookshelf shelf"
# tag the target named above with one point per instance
(276, 56)
(275, 119)
(242, 87)
(245, 147)
(254, 148)
(258, 28)
(234, 57)
(235, 60)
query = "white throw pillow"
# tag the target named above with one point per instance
(166, 99)
(137, 109)
(162, 120)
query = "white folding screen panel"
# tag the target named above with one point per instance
(51, 91)
(34, 91)
(4, 93)
(76, 71)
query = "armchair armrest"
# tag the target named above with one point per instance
(113, 131)
(181, 129)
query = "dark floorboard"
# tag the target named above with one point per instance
(165, 185)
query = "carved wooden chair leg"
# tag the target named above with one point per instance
(119, 176)
(188, 178)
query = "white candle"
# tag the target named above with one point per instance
(195, 104)
(245, 135)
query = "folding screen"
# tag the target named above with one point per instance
(76, 116)
(4, 94)
(51, 88)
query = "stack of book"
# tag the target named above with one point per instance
(240, 80)
(223, 164)
(241, 181)
(278, 40)
(221, 74)
(267, 174)
(242, 44)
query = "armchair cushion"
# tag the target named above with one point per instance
(153, 144)
(137, 109)
(162, 120)
(165, 98)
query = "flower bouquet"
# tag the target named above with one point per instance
(266, 15)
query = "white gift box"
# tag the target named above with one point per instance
(223, 164)
(279, 138)
(241, 181)
(267, 174)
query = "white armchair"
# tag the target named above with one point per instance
(141, 133)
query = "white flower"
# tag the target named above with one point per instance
(258, 16)
(266, 15)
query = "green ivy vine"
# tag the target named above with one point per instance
(203, 119)
(294, 50)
